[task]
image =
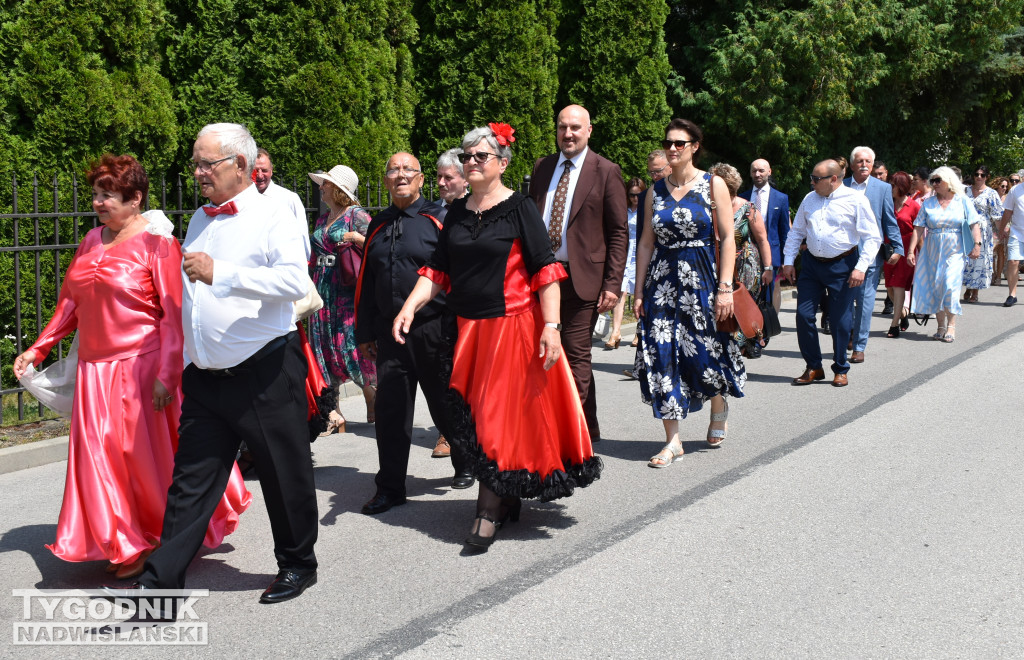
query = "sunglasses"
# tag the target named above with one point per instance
(1014, 180)
(480, 157)
(980, 175)
(816, 179)
(935, 181)
(678, 144)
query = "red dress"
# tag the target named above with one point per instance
(523, 427)
(901, 274)
(121, 451)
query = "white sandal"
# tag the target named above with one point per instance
(668, 455)
(717, 436)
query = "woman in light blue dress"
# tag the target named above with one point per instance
(634, 187)
(939, 270)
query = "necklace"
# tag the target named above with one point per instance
(676, 185)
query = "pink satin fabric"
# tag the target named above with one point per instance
(126, 304)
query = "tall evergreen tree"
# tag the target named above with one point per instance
(82, 78)
(613, 62)
(486, 61)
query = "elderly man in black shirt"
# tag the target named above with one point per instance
(399, 241)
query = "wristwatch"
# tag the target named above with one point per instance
(556, 326)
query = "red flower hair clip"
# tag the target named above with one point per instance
(502, 133)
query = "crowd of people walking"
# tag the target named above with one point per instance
(486, 301)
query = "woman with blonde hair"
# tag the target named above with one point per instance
(939, 269)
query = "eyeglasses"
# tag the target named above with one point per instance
(480, 157)
(678, 144)
(395, 172)
(935, 180)
(654, 173)
(816, 179)
(206, 165)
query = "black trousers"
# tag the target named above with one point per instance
(264, 404)
(399, 369)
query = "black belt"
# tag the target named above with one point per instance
(271, 346)
(832, 260)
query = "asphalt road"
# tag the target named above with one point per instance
(878, 520)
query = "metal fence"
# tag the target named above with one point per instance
(60, 214)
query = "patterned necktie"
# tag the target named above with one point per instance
(757, 202)
(226, 209)
(558, 208)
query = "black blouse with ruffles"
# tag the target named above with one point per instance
(482, 258)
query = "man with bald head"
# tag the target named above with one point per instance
(399, 241)
(582, 199)
(834, 220)
(774, 207)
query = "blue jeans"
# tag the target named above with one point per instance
(864, 305)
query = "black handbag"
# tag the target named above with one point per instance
(771, 317)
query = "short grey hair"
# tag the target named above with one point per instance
(657, 153)
(483, 133)
(870, 152)
(949, 176)
(450, 159)
(234, 140)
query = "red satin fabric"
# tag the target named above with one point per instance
(315, 383)
(121, 451)
(526, 418)
(224, 209)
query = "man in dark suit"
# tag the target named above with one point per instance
(399, 241)
(582, 198)
(773, 205)
(879, 194)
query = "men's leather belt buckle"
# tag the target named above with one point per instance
(326, 260)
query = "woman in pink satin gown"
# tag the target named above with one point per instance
(122, 292)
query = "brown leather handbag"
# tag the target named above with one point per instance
(746, 315)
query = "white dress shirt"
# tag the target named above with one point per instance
(292, 202)
(260, 258)
(834, 224)
(859, 187)
(1015, 202)
(562, 253)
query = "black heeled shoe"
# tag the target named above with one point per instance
(894, 332)
(483, 542)
(512, 510)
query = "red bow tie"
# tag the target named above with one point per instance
(226, 209)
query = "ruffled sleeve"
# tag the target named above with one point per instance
(548, 274)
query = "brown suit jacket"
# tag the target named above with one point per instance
(596, 234)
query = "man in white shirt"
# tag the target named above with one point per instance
(244, 265)
(263, 177)
(1012, 228)
(834, 220)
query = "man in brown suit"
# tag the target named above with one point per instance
(584, 209)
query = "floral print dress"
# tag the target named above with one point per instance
(682, 360)
(978, 272)
(332, 328)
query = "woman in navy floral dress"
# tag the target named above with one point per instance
(682, 360)
(332, 328)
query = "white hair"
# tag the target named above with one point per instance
(949, 176)
(450, 159)
(234, 140)
(870, 152)
(484, 133)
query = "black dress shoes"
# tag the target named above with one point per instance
(461, 481)
(826, 327)
(381, 502)
(887, 307)
(289, 583)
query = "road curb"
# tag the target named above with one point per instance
(33, 454)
